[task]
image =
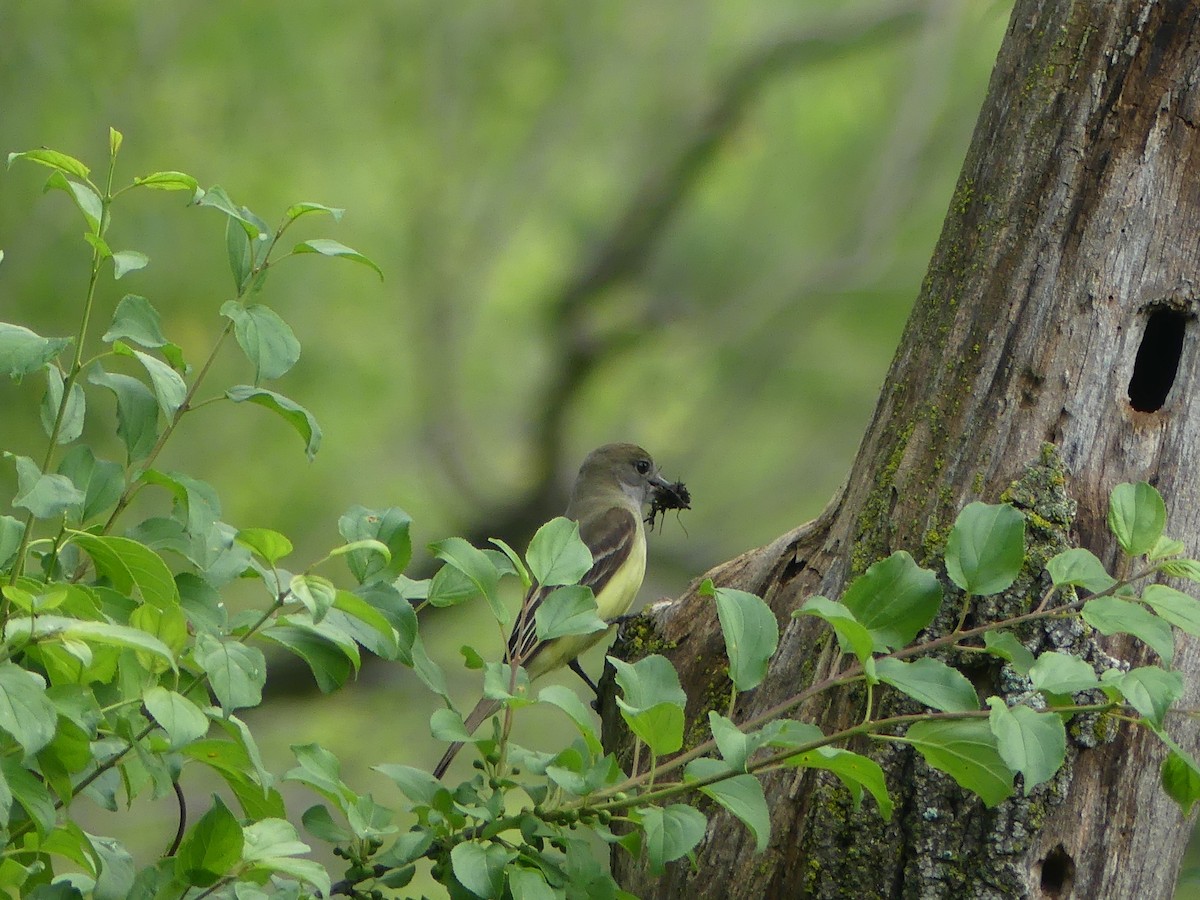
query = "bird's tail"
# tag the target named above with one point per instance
(482, 710)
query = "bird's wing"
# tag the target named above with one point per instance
(610, 538)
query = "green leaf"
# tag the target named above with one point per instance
(97, 633)
(126, 261)
(895, 598)
(1110, 615)
(315, 592)
(168, 625)
(23, 352)
(652, 701)
(671, 832)
(321, 771)
(129, 564)
(450, 587)
(271, 838)
(734, 744)
(931, 682)
(388, 526)
(240, 768)
(86, 200)
(25, 711)
(478, 569)
(211, 848)
(30, 792)
(1080, 568)
(751, 633)
(169, 181)
(293, 413)
(244, 739)
(557, 554)
(447, 725)
(269, 545)
(69, 841)
(169, 387)
(479, 867)
(790, 733)
(331, 657)
(741, 795)
(318, 822)
(236, 672)
(1180, 777)
(218, 199)
(1062, 673)
(100, 480)
(568, 701)
(97, 243)
(966, 750)
(1136, 516)
(428, 671)
(1166, 547)
(11, 531)
(1178, 608)
(366, 624)
(1181, 568)
(854, 770)
(852, 635)
(72, 418)
(239, 253)
(117, 870)
(1149, 689)
(1005, 645)
(54, 159)
(332, 248)
(137, 412)
(137, 320)
(179, 717)
(417, 784)
(498, 683)
(568, 610)
(529, 884)
(986, 548)
(46, 496)
(272, 845)
(297, 210)
(268, 341)
(1032, 743)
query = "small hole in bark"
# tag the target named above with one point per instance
(1157, 359)
(1058, 872)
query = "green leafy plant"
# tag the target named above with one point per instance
(121, 670)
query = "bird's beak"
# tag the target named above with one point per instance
(659, 482)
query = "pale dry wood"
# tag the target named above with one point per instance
(1077, 213)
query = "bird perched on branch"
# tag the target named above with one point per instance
(614, 484)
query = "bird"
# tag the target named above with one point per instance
(614, 483)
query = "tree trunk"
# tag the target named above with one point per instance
(1060, 297)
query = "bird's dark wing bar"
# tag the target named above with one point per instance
(610, 538)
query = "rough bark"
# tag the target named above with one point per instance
(1074, 222)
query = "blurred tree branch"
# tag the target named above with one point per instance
(635, 234)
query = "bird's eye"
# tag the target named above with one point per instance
(642, 466)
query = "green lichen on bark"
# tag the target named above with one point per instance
(638, 638)
(872, 538)
(714, 697)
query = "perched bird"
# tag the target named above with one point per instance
(614, 484)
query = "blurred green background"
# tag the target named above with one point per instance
(672, 223)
